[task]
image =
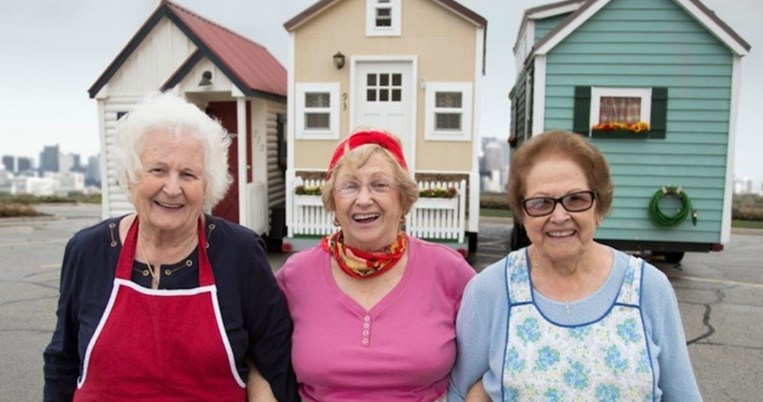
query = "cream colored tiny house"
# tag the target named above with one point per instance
(408, 66)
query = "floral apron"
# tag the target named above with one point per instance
(160, 345)
(604, 360)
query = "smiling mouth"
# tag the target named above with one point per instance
(559, 234)
(365, 218)
(168, 206)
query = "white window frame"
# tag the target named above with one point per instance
(430, 133)
(333, 132)
(395, 7)
(601, 92)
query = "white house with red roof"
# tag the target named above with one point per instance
(229, 76)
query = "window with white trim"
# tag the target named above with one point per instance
(448, 111)
(620, 106)
(383, 17)
(317, 116)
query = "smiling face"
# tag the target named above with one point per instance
(169, 191)
(562, 235)
(367, 203)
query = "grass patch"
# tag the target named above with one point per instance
(736, 223)
(494, 212)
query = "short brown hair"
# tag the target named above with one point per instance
(562, 145)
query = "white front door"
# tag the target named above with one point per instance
(384, 98)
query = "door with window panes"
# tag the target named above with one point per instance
(383, 100)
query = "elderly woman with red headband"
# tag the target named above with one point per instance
(374, 309)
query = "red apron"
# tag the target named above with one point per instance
(160, 345)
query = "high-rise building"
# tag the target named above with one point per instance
(743, 185)
(69, 163)
(49, 159)
(93, 171)
(23, 164)
(9, 162)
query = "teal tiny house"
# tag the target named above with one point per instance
(654, 84)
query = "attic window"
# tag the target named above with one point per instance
(383, 17)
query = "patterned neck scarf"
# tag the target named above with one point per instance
(363, 264)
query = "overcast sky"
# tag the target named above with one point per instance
(54, 50)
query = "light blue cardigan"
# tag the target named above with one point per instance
(483, 321)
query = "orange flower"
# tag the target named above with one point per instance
(618, 125)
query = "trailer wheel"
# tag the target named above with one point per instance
(673, 257)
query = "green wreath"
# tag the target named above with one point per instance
(661, 220)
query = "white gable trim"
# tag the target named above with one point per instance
(551, 12)
(713, 27)
(572, 26)
(597, 5)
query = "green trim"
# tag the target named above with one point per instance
(620, 134)
(581, 121)
(658, 125)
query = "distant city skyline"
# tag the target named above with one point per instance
(47, 70)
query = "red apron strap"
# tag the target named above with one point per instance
(205, 268)
(126, 256)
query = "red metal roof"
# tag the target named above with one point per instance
(247, 64)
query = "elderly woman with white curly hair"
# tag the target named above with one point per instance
(168, 302)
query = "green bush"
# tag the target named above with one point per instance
(494, 201)
(11, 210)
(747, 207)
(29, 199)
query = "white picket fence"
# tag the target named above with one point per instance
(430, 218)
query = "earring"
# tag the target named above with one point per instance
(336, 222)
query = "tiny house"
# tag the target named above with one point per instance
(232, 78)
(411, 67)
(655, 85)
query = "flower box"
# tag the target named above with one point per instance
(620, 134)
(436, 203)
(308, 200)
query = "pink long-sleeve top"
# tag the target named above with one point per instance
(402, 349)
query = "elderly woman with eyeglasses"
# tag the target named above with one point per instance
(568, 318)
(374, 309)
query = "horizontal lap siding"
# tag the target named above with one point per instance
(652, 43)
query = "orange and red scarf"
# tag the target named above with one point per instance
(363, 264)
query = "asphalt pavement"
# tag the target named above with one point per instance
(720, 296)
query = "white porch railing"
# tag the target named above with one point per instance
(429, 218)
(439, 218)
(308, 215)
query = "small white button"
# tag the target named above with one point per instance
(367, 318)
(365, 341)
(365, 333)
(366, 325)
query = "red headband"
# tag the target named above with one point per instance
(367, 137)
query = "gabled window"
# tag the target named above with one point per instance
(317, 115)
(607, 112)
(383, 17)
(448, 111)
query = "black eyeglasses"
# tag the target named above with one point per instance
(575, 202)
